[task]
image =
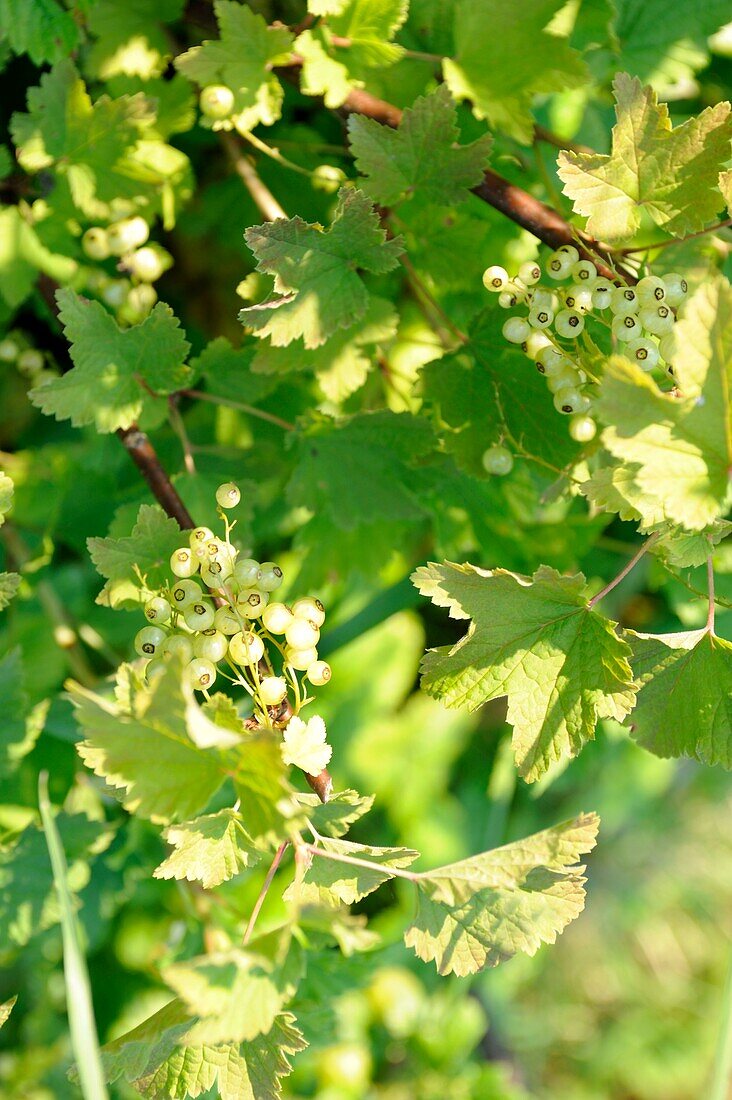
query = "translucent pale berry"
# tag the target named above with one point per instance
(550, 358)
(199, 616)
(149, 640)
(582, 428)
(226, 621)
(540, 318)
(529, 273)
(565, 377)
(495, 278)
(535, 342)
(651, 290)
(301, 659)
(569, 323)
(184, 593)
(246, 648)
(212, 575)
(667, 346)
(270, 576)
(659, 319)
(272, 690)
(558, 266)
(644, 351)
(516, 330)
(216, 101)
(327, 178)
(310, 609)
(183, 563)
(211, 644)
(146, 264)
(569, 251)
(30, 361)
(602, 293)
(498, 461)
(578, 298)
(228, 495)
(95, 243)
(676, 288)
(180, 646)
(585, 272)
(319, 673)
(154, 668)
(157, 610)
(570, 401)
(9, 350)
(201, 673)
(302, 634)
(246, 572)
(200, 536)
(624, 301)
(128, 234)
(115, 292)
(544, 299)
(276, 618)
(626, 327)
(252, 602)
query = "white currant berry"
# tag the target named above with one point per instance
(624, 301)
(246, 648)
(157, 610)
(508, 299)
(272, 690)
(582, 429)
(226, 621)
(657, 319)
(179, 646)
(96, 243)
(584, 272)
(676, 288)
(569, 323)
(566, 377)
(301, 634)
(221, 552)
(558, 266)
(115, 292)
(154, 668)
(216, 101)
(149, 640)
(550, 358)
(183, 563)
(309, 608)
(30, 361)
(9, 350)
(126, 235)
(201, 673)
(146, 264)
(570, 401)
(644, 351)
(540, 318)
(184, 593)
(199, 615)
(667, 346)
(529, 273)
(327, 178)
(276, 618)
(319, 673)
(301, 659)
(247, 572)
(569, 251)
(535, 342)
(140, 300)
(578, 298)
(270, 576)
(495, 278)
(211, 644)
(228, 495)
(252, 602)
(544, 299)
(626, 327)
(213, 575)
(651, 290)
(602, 293)
(497, 461)
(516, 330)
(200, 536)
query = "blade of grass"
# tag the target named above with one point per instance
(82, 1026)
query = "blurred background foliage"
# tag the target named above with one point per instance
(628, 1003)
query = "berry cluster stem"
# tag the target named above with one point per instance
(625, 570)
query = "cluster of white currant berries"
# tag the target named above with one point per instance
(217, 616)
(643, 318)
(141, 261)
(28, 360)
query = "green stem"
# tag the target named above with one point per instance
(265, 889)
(723, 1059)
(250, 410)
(625, 570)
(367, 864)
(710, 593)
(675, 240)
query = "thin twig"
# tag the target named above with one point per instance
(710, 593)
(419, 284)
(675, 240)
(263, 198)
(265, 889)
(240, 406)
(548, 137)
(144, 455)
(625, 570)
(176, 422)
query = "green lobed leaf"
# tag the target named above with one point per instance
(148, 548)
(242, 59)
(335, 817)
(421, 156)
(23, 255)
(670, 173)
(209, 850)
(504, 56)
(157, 1059)
(315, 269)
(684, 704)
(9, 585)
(229, 373)
(43, 29)
(112, 366)
(536, 641)
(664, 42)
(268, 809)
(681, 446)
(146, 753)
(333, 883)
(685, 549)
(21, 724)
(484, 910)
(130, 39)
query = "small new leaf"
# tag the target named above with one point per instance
(684, 705)
(148, 548)
(315, 271)
(671, 173)
(21, 725)
(421, 156)
(536, 641)
(113, 366)
(209, 850)
(335, 817)
(484, 910)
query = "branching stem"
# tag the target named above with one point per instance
(250, 410)
(710, 591)
(628, 568)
